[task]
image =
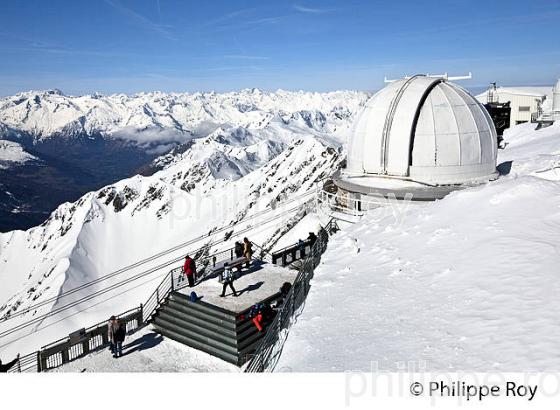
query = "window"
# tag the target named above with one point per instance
(524, 108)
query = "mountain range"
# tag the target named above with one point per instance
(227, 157)
(76, 144)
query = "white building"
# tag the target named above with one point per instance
(421, 136)
(556, 98)
(524, 101)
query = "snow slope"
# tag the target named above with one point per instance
(214, 181)
(468, 283)
(109, 138)
(12, 153)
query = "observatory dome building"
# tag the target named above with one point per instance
(422, 135)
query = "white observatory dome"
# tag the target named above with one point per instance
(423, 129)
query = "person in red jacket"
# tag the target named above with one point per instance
(257, 320)
(189, 269)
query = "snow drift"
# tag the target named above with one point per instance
(468, 283)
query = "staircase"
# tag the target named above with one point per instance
(230, 336)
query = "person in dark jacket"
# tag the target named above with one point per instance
(238, 249)
(120, 335)
(312, 238)
(189, 269)
(112, 327)
(238, 253)
(285, 288)
(5, 367)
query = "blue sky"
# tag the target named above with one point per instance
(82, 46)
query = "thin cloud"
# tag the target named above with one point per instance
(229, 16)
(245, 57)
(246, 25)
(140, 20)
(158, 9)
(475, 24)
(310, 10)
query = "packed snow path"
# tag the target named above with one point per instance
(147, 351)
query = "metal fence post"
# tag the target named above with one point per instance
(39, 361)
(293, 301)
(65, 354)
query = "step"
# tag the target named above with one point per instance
(228, 357)
(250, 339)
(201, 330)
(226, 346)
(183, 309)
(202, 306)
(250, 348)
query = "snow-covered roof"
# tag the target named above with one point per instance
(426, 129)
(537, 92)
(556, 97)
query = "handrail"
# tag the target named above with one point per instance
(349, 206)
(264, 253)
(142, 274)
(267, 354)
(293, 245)
(158, 255)
(141, 316)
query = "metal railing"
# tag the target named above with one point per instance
(96, 337)
(264, 255)
(82, 343)
(344, 204)
(292, 253)
(268, 353)
(26, 364)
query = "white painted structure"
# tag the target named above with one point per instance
(421, 130)
(524, 101)
(556, 98)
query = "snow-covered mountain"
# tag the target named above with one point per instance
(12, 153)
(239, 169)
(160, 118)
(85, 142)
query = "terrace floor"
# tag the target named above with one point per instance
(254, 285)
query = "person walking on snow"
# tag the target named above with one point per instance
(247, 250)
(5, 367)
(227, 280)
(120, 335)
(189, 269)
(112, 327)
